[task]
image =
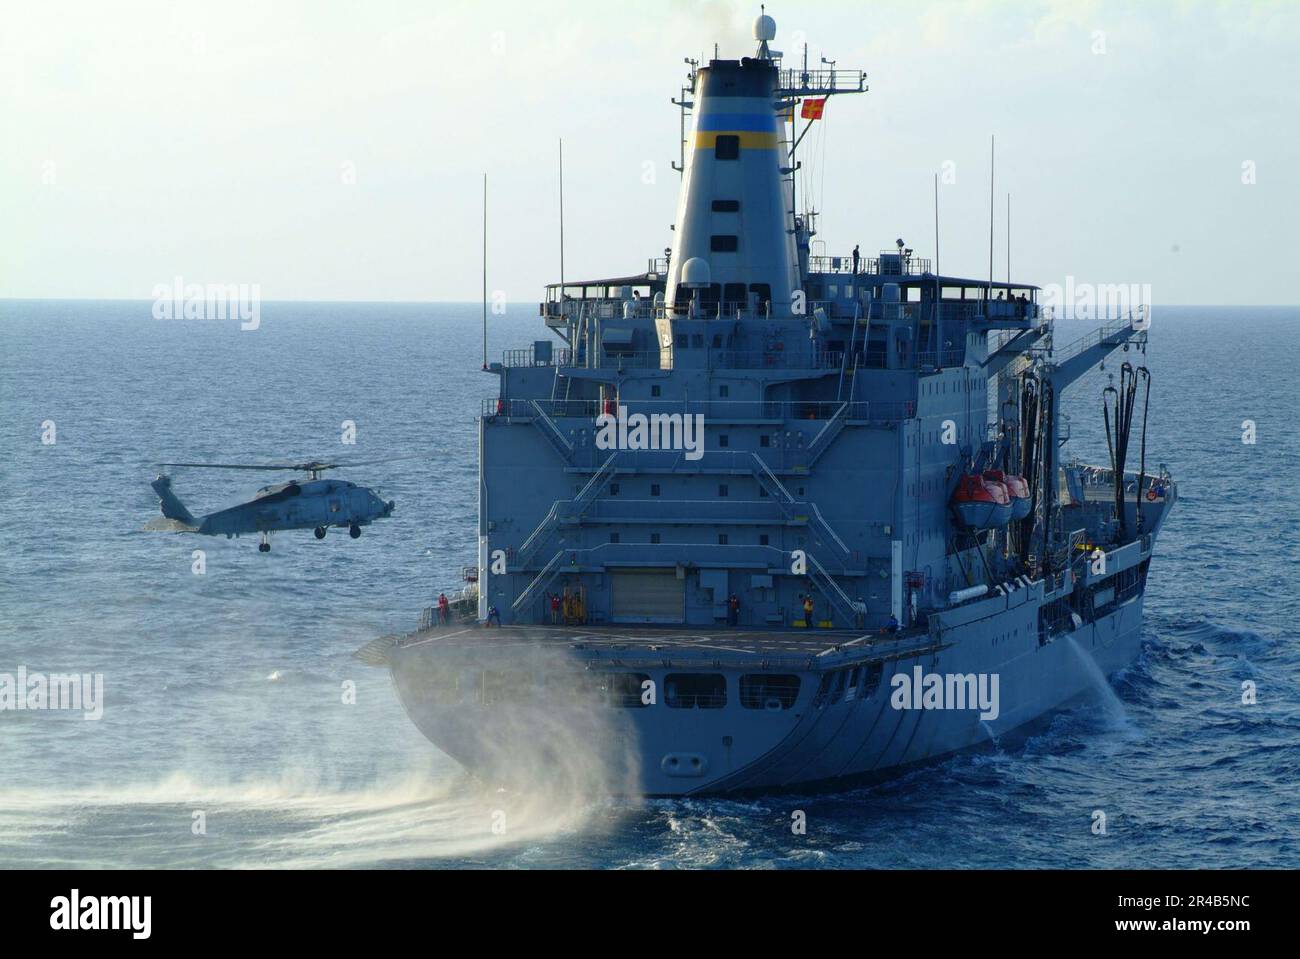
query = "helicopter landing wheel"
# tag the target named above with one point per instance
(320, 532)
(354, 531)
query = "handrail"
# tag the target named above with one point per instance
(532, 587)
(850, 606)
(827, 528)
(551, 423)
(763, 468)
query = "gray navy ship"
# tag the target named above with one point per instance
(757, 518)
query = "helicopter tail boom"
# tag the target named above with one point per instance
(172, 507)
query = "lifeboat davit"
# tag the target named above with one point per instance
(1016, 488)
(981, 503)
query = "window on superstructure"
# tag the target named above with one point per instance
(723, 490)
(654, 539)
(726, 206)
(774, 692)
(724, 243)
(722, 539)
(726, 147)
(724, 390)
(654, 489)
(764, 291)
(613, 537)
(765, 440)
(695, 690)
(613, 489)
(622, 690)
(762, 539)
(724, 440)
(734, 295)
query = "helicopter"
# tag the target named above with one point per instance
(314, 503)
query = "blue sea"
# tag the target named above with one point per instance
(227, 738)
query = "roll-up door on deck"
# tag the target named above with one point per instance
(648, 596)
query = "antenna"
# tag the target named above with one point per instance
(561, 226)
(936, 225)
(992, 155)
(485, 362)
(1008, 244)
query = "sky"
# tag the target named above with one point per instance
(335, 151)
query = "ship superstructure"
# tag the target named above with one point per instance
(735, 503)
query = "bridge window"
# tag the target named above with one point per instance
(722, 539)
(764, 291)
(724, 243)
(654, 489)
(726, 206)
(724, 440)
(722, 489)
(769, 692)
(656, 390)
(762, 539)
(726, 147)
(695, 690)
(724, 390)
(734, 293)
(654, 539)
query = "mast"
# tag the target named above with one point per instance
(562, 226)
(485, 361)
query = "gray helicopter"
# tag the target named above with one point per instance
(315, 504)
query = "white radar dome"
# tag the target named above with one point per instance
(695, 274)
(764, 28)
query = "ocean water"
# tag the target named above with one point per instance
(224, 704)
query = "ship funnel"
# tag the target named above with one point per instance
(734, 211)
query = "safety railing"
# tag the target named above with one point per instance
(887, 264)
(1115, 330)
(720, 411)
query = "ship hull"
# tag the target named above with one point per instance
(826, 736)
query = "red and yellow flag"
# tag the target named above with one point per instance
(812, 109)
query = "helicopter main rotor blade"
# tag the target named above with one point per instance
(238, 466)
(334, 464)
(311, 466)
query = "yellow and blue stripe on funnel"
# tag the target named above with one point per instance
(756, 131)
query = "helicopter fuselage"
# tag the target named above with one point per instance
(299, 505)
